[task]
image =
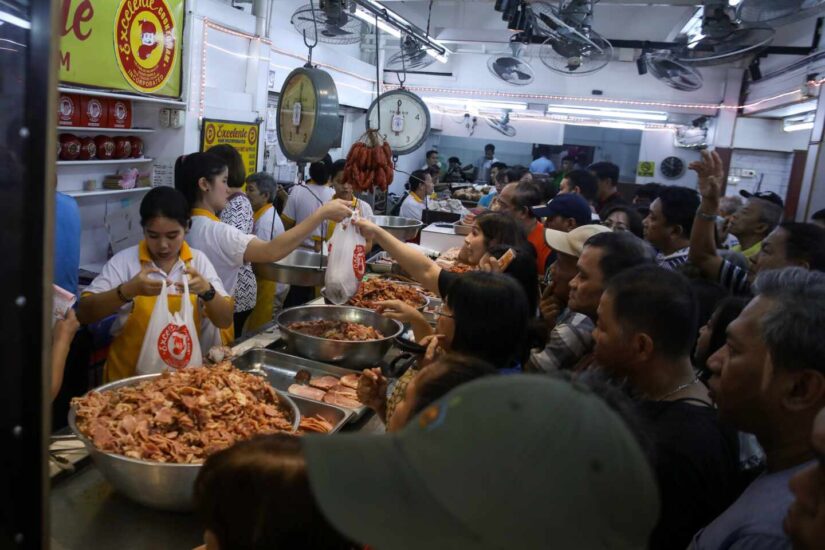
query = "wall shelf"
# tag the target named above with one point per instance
(93, 162)
(126, 97)
(83, 130)
(104, 192)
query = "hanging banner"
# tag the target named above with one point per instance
(243, 136)
(128, 45)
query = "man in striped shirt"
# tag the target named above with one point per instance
(790, 244)
(667, 227)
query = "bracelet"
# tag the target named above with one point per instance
(708, 217)
(120, 295)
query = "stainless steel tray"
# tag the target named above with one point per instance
(280, 369)
(337, 416)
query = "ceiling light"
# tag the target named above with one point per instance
(693, 28)
(609, 113)
(468, 103)
(372, 20)
(621, 125)
(440, 58)
(14, 20)
(799, 126)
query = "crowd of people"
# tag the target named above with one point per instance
(613, 373)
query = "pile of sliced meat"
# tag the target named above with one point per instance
(329, 389)
(380, 290)
(337, 330)
(183, 416)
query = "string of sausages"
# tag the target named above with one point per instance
(369, 163)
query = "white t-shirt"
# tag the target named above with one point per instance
(413, 207)
(125, 265)
(266, 228)
(223, 244)
(303, 201)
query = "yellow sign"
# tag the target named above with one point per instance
(243, 136)
(129, 45)
(647, 169)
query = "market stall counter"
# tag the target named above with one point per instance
(87, 512)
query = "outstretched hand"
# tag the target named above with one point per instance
(711, 174)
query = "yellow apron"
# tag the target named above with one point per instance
(265, 300)
(124, 351)
(227, 334)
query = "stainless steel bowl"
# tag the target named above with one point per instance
(300, 268)
(403, 229)
(356, 355)
(154, 484)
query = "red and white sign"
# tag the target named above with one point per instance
(175, 346)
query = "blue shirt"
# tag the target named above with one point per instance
(66, 242)
(542, 165)
(487, 199)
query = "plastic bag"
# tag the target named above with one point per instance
(347, 262)
(171, 340)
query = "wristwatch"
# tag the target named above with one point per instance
(208, 295)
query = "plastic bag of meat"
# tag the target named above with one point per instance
(171, 340)
(347, 262)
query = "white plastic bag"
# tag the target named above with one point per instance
(171, 340)
(347, 262)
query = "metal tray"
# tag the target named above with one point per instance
(280, 369)
(337, 416)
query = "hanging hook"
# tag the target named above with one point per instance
(315, 41)
(402, 79)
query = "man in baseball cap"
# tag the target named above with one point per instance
(570, 332)
(505, 462)
(760, 215)
(564, 213)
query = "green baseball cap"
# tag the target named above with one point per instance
(520, 461)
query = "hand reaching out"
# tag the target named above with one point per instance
(398, 310)
(372, 389)
(711, 172)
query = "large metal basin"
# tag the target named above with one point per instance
(153, 484)
(403, 229)
(300, 268)
(353, 355)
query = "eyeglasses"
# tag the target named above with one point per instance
(440, 313)
(614, 226)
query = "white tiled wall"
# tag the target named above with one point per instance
(773, 167)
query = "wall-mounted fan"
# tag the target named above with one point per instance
(511, 69)
(335, 24)
(777, 12)
(666, 69)
(411, 57)
(572, 46)
(502, 124)
(723, 39)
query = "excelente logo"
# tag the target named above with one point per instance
(145, 43)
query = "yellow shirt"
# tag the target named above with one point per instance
(750, 252)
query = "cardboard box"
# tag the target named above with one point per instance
(120, 113)
(68, 110)
(94, 112)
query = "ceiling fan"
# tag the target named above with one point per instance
(723, 39)
(777, 12)
(332, 19)
(665, 68)
(512, 69)
(572, 47)
(411, 57)
(502, 124)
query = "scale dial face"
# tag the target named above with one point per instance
(308, 122)
(405, 120)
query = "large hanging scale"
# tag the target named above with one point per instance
(405, 120)
(308, 124)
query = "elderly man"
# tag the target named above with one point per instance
(769, 380)
(516, 200)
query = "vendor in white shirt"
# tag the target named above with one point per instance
(132, 279)
(420, 186)
(262, 189)
(202, 179)
(343, 191)
(305, 199)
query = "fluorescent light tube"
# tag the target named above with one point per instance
(383, 25)
(14, 20)
(799, 126)
(437, 56)
(478, 104)
(609, 113)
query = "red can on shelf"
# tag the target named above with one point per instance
(120, 113)
(88, 148)
(68, 110)
(93, 112)
(137, 147)
(69, 147)
(105, 147)
(123, 147)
